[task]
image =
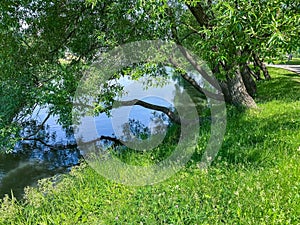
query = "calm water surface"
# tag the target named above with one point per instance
(33, 160)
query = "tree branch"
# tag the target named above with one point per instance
(173, 116)
(199, 14)
(188, 35)
(219, 96)
(101, 138)
(41, 141)
(39, 127)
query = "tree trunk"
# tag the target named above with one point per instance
(234, 89)
(225, 91)
(256, 71)
(199, 14)
(238, 92)
(248, 81)
(262, 66)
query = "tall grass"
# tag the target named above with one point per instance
(254, 180)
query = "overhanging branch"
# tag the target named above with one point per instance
(172, 115)
(40, 127)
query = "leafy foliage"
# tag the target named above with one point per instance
(45, 45)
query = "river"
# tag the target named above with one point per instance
(33, 160)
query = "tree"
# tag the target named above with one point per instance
(235, 32)
(46, 44)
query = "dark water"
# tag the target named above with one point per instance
(33, 160)
(30, 161)
(19, 170)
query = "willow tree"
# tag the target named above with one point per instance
(227, 34)
(45, 44)
(237, 32)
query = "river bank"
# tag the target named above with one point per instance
(255, 179)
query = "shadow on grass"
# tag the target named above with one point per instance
(285, 88)
(263, 137)
(260, 141)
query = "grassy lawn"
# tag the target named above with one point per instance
(255, 179)
(294, 61)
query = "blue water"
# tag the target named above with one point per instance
(33, 160)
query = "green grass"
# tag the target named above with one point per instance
(254, 180)
(294, 61)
